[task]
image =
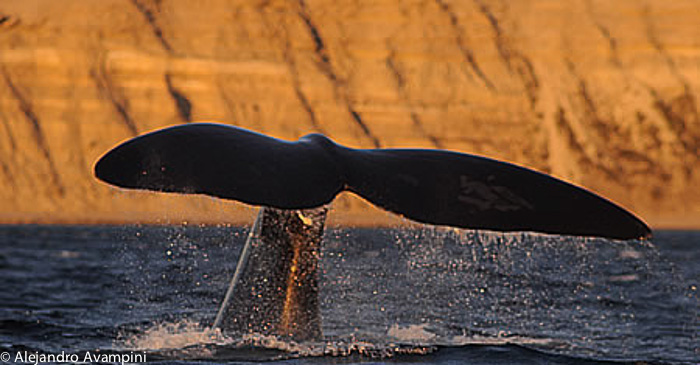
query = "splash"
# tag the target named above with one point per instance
(501, 339)
(334, 348)
(411, 333)
(542, 292)
(419, 334)
(191, 340)
(178, 335)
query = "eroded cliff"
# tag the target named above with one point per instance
(600, 93)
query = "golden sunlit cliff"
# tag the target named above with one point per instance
(600, 93)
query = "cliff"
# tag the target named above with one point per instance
(603, 94)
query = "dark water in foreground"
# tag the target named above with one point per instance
(430, 296)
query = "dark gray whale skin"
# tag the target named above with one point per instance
(275, 288)
(429, 186)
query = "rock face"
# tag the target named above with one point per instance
(600, 93)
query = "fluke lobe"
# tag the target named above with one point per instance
(275, 287)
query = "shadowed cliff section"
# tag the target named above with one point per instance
(27, 110)
(603, 94)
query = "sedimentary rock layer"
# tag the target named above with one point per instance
(603, 94)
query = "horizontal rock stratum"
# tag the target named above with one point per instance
(600, 93)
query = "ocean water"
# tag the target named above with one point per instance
(433, 296)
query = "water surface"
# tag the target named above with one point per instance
(427, 296)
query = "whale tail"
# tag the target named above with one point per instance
(275, 288)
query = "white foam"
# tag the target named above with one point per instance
(463, 340)
(410, 333)
(191, 339)
(418, 334)
(187, 334)
(165, 336)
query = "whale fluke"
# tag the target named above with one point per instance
(429, 186)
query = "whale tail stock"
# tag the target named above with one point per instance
(275, 288)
